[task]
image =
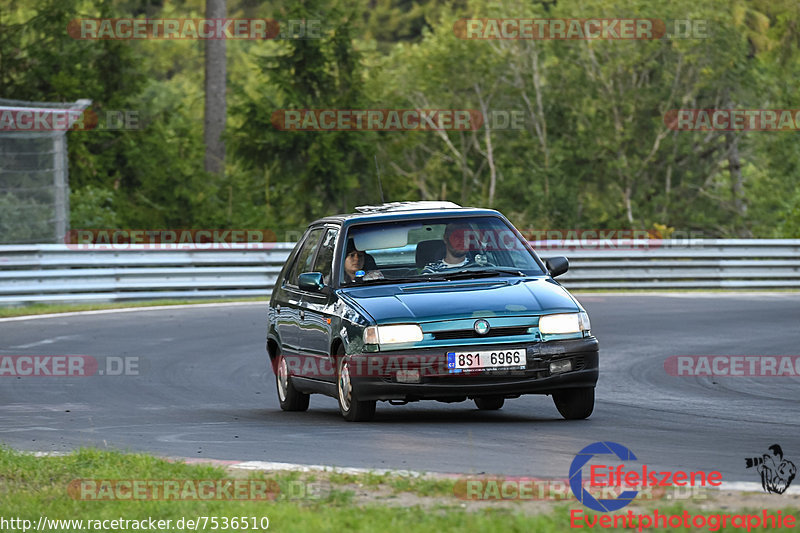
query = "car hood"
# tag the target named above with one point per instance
(449, 300)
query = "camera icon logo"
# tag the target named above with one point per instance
(776, 472)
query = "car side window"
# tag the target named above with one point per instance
(304, 256)
(324, 262)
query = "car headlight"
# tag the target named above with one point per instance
(564, 323)
(392, 334)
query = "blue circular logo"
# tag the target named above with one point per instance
(576, 476)
(481, 327)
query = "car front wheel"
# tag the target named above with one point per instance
(289, 398)
(352, 410)
(575, 404)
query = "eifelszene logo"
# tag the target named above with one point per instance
(622, 476)
(776, 472)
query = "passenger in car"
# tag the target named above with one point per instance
(354, 264)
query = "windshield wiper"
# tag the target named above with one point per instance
(380, 281)
(512, 271)
(480, 273)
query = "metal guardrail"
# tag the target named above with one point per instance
(58, 273)
(61, 273)
(683, 264)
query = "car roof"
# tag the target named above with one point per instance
(404, 210)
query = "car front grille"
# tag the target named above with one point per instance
(456, 334)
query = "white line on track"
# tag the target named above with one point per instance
(129, 310)
(269, 466)
(293, 467)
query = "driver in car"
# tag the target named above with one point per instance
(455, 250)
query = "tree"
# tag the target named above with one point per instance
(312, 173)
(216, 88)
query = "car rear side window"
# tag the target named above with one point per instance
(305, 256)
(324, 261)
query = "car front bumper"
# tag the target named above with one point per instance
(436, 382)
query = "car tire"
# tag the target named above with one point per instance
(289, 398)
(352, 410)
(489, 403)
(575, 404)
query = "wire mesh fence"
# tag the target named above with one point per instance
(34, 176)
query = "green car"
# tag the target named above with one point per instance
(418, 301)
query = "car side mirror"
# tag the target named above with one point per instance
(557, 265)
(310, 281)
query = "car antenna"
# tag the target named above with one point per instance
(380, 186)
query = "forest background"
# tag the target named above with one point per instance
(592, 151)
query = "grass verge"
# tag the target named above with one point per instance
(33, 487)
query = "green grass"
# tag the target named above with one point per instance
(423, 486)
(420, 486)
(34, 486)
(31, 487)
(44, 309)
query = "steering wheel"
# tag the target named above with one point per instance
(474, 263)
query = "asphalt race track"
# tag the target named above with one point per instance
(204, 390)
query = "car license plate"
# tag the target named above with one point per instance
(495, 359)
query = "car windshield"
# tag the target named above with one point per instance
(433, 250)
